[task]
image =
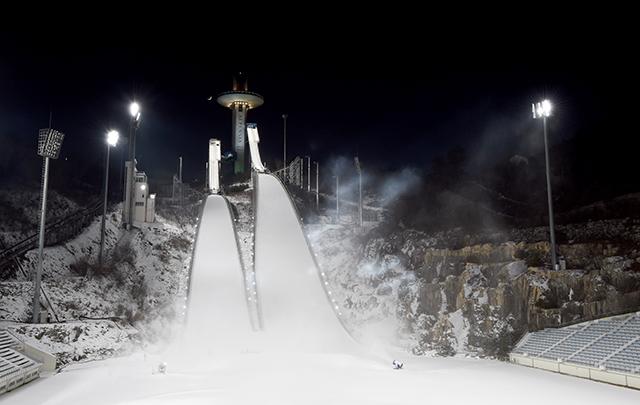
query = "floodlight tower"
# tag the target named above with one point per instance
(129, 206)
(240, 100)
(543, 110)
(112, 140)
(49, 145)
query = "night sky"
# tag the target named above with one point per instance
(394, 106)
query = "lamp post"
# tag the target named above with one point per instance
(112, 140)
(359, 169)
(134, 110)
(308, 174)
(317, 191)
(49, 145)
(337, 199)
(543, 110)
(284, 141)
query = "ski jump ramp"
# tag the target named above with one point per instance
(217, 313)
(297, 310)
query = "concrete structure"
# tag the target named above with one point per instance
(240, 100)
(144, 201)
(213, 166)
(150, 209)
(21, 363)
(606, 350)
(254, 139)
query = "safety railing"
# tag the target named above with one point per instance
(59, 231)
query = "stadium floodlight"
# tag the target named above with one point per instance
(134, 110)
(49, 145)
(542, 110)
(112, 140)
(127, 211)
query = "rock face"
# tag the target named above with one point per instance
(482, 298)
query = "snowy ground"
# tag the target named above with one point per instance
(259, 378)
(20, 212)
(140, 288)
(79, 341)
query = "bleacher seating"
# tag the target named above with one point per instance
(15, 368)
(610, 343)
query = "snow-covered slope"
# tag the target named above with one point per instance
(297, 311)
(142, 283)
(20, 212)
(217, 316)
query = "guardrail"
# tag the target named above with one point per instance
(47, 301)
(61, 230)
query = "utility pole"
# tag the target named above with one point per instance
(180, 177)
(301, 173)
(359, 169)
(284, 142)
(337, 199)
(317, 191)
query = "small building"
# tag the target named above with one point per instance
(144, 202)
(144, 207)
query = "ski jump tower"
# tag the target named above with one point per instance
(213, 167)
(240, 100)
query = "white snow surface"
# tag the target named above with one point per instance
(460, 330)
(296, 309)
(217, 316)
(297, 378)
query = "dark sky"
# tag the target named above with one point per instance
(396, 105)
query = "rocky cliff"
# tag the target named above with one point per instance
(453, 293)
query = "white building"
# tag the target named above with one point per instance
(144, 207)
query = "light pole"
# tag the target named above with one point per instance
(180, 177)
(134, 110)
(284, 142)
(337, 199)
(49, 145)
(317, 178)
(543, 110)
(112, 140)
(359, 169)
(308, 174)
